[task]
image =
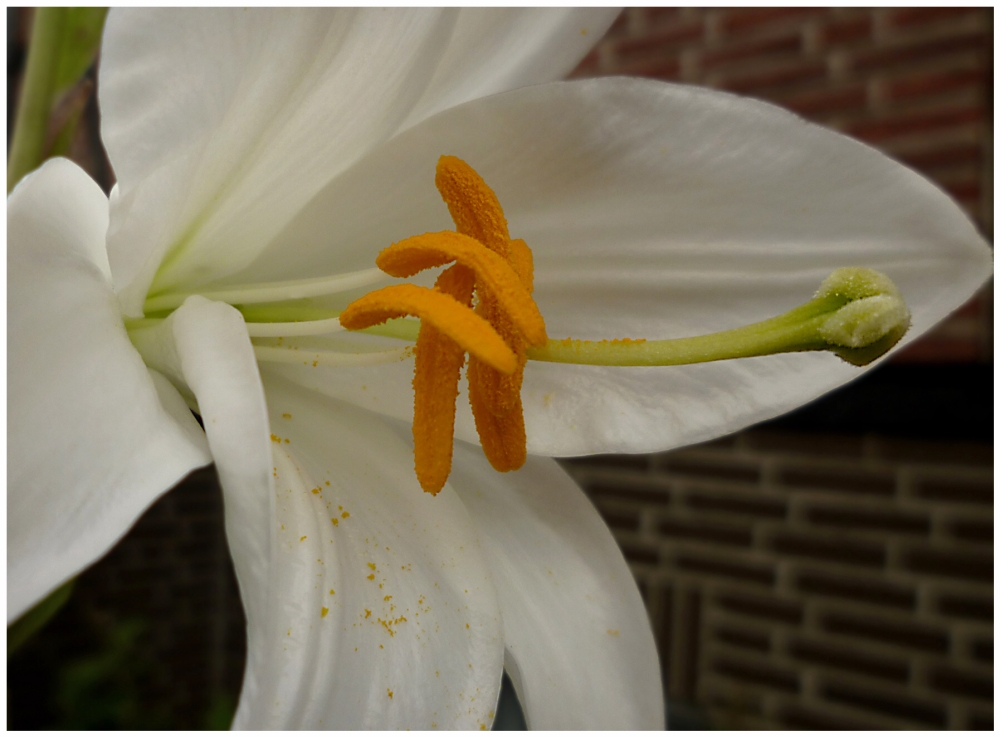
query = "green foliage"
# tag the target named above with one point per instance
(37, 617)
(78, 44)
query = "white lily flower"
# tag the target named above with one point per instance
(256, 147)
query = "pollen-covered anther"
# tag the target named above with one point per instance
(493, 273)
(441, 310)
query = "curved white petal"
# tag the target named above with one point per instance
(93, 438)
(380, 611)
(654, 211)
(221, 124)
(493, 50)
(580, 649)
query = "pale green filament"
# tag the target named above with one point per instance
(273, 292)
(857, 314)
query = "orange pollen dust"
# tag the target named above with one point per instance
(496, 334)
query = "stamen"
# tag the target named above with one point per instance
(495, 398)
(281, 354)
(449, 316)
(493, 272)
(274, 292)
(435, 387)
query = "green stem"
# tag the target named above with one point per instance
(27, 147)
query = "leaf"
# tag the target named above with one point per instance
(81, 37)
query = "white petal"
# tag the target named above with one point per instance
(221, 124)
(657, 211)
(580, 649)
(380, 609)
(493, 50)
(93, 437)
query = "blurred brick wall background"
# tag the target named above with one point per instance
(823, 573)
(806, 579)
(916, 83)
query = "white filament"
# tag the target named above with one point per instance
(276, 354)
(291, 329)
(248, 294)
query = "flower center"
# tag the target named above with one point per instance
(482, 305)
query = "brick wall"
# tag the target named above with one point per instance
(810, 581)
(914, 82)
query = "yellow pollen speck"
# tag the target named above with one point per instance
(345, 515)
(371, 576)
(482, 727)
(381, 647)
(389, 692)
(466, 625)
(614, 633)
(583, 31)
(316, 490)
(332, 591)
(327, 483)
(275, 439)
(315, 363)
(286, 416)
(335, 521)
(287, 440)
(386, 598)
(372, 566)
(323, 612)
(302, 538)
(339, 507)
(368, 613)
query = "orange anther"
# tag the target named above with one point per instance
(493, 273)
(442, 311)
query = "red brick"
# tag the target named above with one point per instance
(728, 469)
(623, 489)
(902, 125)
(915, 709)
(974, 530)
(757, 50)
(901, 55)
(890, 520)
(962, 683)
(841, 32)
(780, 75)
(908, 634)
(706, 531)
(868, 590)
(910, 17)
(760, 573)
(934, 83)
(800, 717)
(855, 552)
(956, 490)
(746, 19)
(714, 502)
(966, 607)
(666, 69)
(742, 637)
(757, 672)
(659, 42)
(838, 656)
(763, 607)
(982, 650)
(853, 480)
(951, 563)
(816, 102)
